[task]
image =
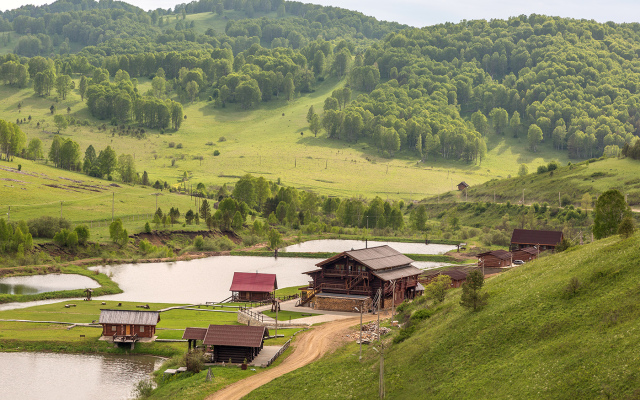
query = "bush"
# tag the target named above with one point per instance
(83, 234)
(147, 227)
(194, 361)
(216, 153)
(542, 169)
(573, 286)
(143, 388)
(47, 227)
(405, 333)
(198, 243)
(172, 145)
(422, 314)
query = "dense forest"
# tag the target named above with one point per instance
(439, 91)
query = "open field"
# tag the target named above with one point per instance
(267, 142)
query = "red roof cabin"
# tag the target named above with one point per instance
(543, 240)
(495, 259)
(128, 326)
(526, 254)
(352, 279)
(253, 286)
(229, 342)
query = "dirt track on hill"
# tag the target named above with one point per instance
(309, 347)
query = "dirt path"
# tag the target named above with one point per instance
(310, 346)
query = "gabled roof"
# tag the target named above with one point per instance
(397, 273)
(253, 282)
(501, 254)
(235, 335)
(533, 237)
(463, 183)
(194, 333)
(454, 274)
(530, 250)
(129, 317)
(375, 258)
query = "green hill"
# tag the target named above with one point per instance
(533, 340)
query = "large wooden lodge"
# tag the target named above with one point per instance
(541, 240)
(353, 278)
(128, 326)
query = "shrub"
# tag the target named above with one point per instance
(179, 146)
(573, 286)
(143, 388)
(542, 169)
(47, 227)
(194, 361)
(216, 153)
(147, 227)
(83, 234)
(422, 314)
(405, 333)
(222, 139)
(198, 243)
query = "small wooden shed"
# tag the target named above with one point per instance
(191, 335)
(128, 325)
(495, 258)
(235, 342)
(526, 254)
(253, 286)
(463, 185)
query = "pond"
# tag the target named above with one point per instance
(201, 280)
(35, 284)
(72, 376)
(338, 246)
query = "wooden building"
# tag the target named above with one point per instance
(463, 185)
(128, 326)
(458, 276)
(230, 342)
(253, 286)
(525, 254)
(192, 335)
(353, 279)
(495, 259)
(543, 240)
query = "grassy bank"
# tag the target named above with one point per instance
(541, 339)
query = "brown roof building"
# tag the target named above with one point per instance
(229, 342)
(128, 326)
(458, 276)
(253, 286)
(353, 278)
(495, 259)
(543, 240)
(463, 185)
(526, 254)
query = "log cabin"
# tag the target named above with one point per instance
(495, 259)
(526, 254)
(543, 240)
(234, 342)
(253, 286)
(463, 185)
(458, 276)
(128, 326)
(353, 278)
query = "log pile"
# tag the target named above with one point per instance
(369, 333)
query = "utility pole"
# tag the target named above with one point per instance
(113, 207)
(559, 201)
(9, 215)
(522, 196)
(60, 210)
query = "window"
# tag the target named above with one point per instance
(113, 328)
(142, 329)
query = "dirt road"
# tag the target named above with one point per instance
(310, 346)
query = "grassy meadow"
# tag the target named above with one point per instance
(273, 141)
(536, 338)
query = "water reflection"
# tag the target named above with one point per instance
(45, 283)
(201, 280)
(338, 245)
(72, 376)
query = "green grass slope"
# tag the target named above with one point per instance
(573, 181)
(533, 340)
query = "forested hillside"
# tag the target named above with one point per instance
(450, 94)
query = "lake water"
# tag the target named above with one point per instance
(201, 280)
(55, 376)
(34, 284)
(338, 246)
